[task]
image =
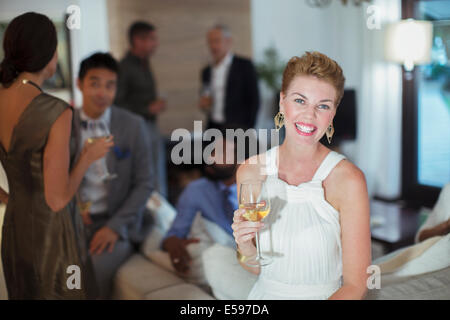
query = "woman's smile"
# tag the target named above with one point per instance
(305, 129)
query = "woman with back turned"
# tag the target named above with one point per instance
(320, 235)
(42, 244)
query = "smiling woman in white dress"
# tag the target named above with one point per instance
(320, 231)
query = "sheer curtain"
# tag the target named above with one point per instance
(378, 149)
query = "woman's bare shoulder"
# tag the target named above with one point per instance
(344, 180)
(251, 168)
(348, 171)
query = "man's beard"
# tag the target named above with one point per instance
(217, 173)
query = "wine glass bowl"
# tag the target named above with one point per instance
(99, 130)
(255, 211)
(254, 198)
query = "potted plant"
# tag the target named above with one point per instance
(270, 71)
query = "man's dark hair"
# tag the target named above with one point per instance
(98, 60)
(138, 28)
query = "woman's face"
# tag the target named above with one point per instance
(309, 108)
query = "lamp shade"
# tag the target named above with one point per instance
(409, 42)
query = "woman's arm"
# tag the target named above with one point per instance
(3, 196)
(241, 259)
(354, 210)
(59, 185)
(440, 230)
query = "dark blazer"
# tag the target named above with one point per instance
(241, 92)
(130, 160)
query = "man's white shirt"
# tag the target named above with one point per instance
(93, 187)
(219, 76)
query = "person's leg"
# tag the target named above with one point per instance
(106, 265)
(162, 166)
(158, 158)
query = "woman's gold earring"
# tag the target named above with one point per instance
(279, 120)
(329, 133)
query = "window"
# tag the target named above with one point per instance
(426, 110)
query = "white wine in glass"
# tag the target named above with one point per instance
(254, 198)
(99, 130)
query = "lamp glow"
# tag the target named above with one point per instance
(409, 42)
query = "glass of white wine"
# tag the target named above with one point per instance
(83, 200)
(99, 130)
(254, 198)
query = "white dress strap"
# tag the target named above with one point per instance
(271, 165)
(328, 164)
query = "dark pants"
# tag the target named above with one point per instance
(158, 161)
(106, 264)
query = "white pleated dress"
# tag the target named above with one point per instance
(303, 236)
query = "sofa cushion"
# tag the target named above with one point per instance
(201, 229)
(183, 291)
(424, 257)
(196, 274)
(227, 278)
(162, 212)
(206, 231)
(138, 276)
(432, 286)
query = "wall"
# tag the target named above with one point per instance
(294, 27)
(91, 37)
(182, 27)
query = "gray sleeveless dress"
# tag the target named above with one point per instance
(39, 246)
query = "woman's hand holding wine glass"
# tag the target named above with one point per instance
(245, 232)
(254, 204)
(95, 149)
(99, 131)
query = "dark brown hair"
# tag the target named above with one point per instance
(29, 45)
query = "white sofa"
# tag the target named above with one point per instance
(421, 271)
(418, 272)
(149, 274)
(140, 279)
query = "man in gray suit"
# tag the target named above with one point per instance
(115, 189)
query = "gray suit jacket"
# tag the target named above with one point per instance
(130, 160)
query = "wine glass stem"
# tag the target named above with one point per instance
(258, 247)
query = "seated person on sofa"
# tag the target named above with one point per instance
(112, 208)
(438, 221)
(214, 197)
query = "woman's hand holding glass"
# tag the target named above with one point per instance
(99, 130)
(95, 149)
(254, 200)
(244, 231)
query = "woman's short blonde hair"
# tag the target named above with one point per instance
(318, 65)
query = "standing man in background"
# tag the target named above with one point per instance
(230, 93)
(136, 91)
